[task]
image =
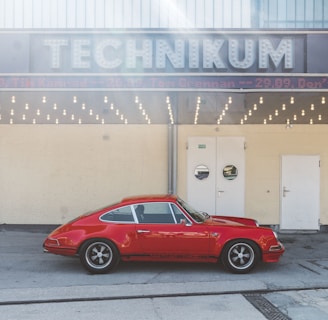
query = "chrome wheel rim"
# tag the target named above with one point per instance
(99, 255)
(241, 256)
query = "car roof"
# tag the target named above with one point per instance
(149, 197)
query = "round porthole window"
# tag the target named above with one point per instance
(230, 172)
(201, 172)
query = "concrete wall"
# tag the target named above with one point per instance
(50, 174)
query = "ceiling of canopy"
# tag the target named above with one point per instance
(159, 107)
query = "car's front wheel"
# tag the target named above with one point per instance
(99, 256)
(240, 256)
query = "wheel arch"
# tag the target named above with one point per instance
(240, 255)
(247, 240)
(99, 255)
(97, 239)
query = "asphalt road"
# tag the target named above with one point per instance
(34, 285)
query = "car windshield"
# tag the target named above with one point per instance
(198, 216)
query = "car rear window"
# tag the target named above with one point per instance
(123, 214)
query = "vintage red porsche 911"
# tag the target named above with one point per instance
(163, 228)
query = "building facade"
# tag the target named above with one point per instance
(222, 102)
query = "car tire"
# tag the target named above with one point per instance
(99, 256)
(240, 256)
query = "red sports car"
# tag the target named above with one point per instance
(163, 228)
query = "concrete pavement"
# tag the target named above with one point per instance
(294, 287)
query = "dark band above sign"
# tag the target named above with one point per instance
(204, 60)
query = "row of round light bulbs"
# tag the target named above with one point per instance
(283, 108)
(56, 120)
(64, 112)
(250, 112)
(142, 110)
(221, 116)
(117, 111)
(197, 110)
(225, 109)
(169, 108)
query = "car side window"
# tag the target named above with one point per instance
(123, 214)
(154, 212)
(179, 216)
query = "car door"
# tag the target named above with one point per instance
(165, 231)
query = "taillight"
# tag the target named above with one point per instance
(52, 242)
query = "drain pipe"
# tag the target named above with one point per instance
(172, 158)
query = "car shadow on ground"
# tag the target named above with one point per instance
(72, 265)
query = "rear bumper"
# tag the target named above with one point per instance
(60, 251)
(52, 246)
(274, 253)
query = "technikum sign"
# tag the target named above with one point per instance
(216, 54)
(171, 60)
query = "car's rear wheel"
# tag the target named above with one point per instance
(99, 256)
(240, 256)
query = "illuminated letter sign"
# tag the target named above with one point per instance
(145, 53)
(284, 49)
(193, 54)
(176, 56)
(211, 56)
(78, 53)
(55, 46)
(182, 53)
(234, 54)
(103, 60)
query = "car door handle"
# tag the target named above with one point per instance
(143, 231)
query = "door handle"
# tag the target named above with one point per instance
(284, 191)
(143, 231)
(220, 191)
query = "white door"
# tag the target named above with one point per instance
(300, 192)
(230, 176)
(201, 175)
(216, 175)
